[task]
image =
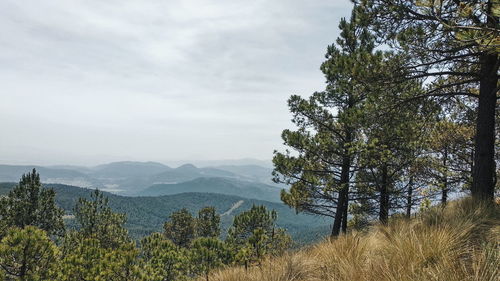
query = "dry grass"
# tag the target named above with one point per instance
(458, 243)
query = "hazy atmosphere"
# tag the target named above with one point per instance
(87, 82)
(223, 140)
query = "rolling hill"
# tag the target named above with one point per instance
(128, 169)
(189, 172)
(227, 186)
(12, 173)
(147, 214)
(130, 178)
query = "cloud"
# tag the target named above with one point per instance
(156, 80)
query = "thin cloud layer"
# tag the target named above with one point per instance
(85, 82)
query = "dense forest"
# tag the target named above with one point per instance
(408, 120)
(37, 244)
(146, 215)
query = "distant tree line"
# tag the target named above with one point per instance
(408, 117)
(35, 245)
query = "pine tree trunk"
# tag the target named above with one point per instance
(343, 198)
(384, 197)
(409, 198)
(444, 192)
(337, 220)
(482, 185)
(344, 216)
(444, 196)
(24, 266)
(339, 213)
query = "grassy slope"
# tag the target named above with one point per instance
(460, 242)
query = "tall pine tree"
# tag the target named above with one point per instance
(453, 45)
(30, 204)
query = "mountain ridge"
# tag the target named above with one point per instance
(228, 186)
(130, 177)
(147, 214)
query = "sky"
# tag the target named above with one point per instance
(85, 82)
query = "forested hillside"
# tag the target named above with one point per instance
(148, 214)
(226, 186)
(190, 243)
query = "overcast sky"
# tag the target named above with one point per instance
(93, 81)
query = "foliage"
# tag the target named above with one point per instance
(146, 215)
(255, 235)
(88, 259)
(100, 249)
(30, 204)
(208, 223)
(181, 228)
(164, 259)
(97, 220)
(453, 47)
(394, 142)
(207, 254)
(451, 147)
(28, 254)
(325, 143)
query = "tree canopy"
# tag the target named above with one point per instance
(29, 204)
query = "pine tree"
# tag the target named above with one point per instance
(208, 223)
(181, 228)
(124, 264)
(28, 254)
(207, 254)
(88, 259)
(321, 170)
(450, 148)
(30, 204)
(96, 220)
(254, 234)
(164, 260)
(453, 46)
(100, 248)
(394, 141)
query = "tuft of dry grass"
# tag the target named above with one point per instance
(459, 242)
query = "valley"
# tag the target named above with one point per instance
(152, 178)
(147, 214)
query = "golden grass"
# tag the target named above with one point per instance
(460, 242)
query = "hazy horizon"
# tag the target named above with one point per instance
(171, 163)
(92, 82)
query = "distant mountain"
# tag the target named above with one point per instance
(12, 173)
(128, 169)
(147, 214)
(130, 178)
(227, 186)
(81, 169)
(115, 175)
(189, 172)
